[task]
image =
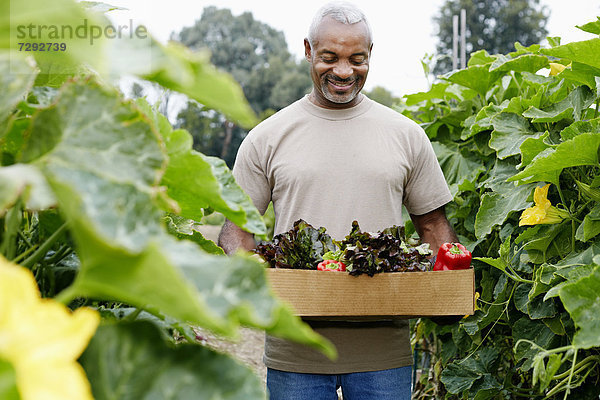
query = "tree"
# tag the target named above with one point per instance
(258, 58)
(491, 25)
(381, 95)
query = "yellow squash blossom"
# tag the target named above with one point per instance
(543, 212)
(556, 69)
(42, 338)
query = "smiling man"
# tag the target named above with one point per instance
(330, 158)
(339, 55)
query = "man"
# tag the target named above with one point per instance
(332, 157)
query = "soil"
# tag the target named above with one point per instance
(248, 350)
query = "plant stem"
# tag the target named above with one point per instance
(571, 375)
(43, 249)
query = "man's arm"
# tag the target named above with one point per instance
(434, 228)
(232, 238)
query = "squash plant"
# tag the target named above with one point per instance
(100, 198)
(518, 138)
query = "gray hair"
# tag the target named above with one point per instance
(341, 11)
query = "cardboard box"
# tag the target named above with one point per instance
(398, 294)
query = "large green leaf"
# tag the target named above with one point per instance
(134, 52)
(535, 331)
(510, 131)
(197, 181)
(580, 150)
(569, 108)
(476, 77)
(580, 298)
(456, 167)
(22, 180)
(461, 375)
(526, 62)
(131, 361)
(17, 74)
(585, 52)
(104, 168)
(504, 198)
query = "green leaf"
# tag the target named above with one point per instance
(483, 120)
(22, 180)
(579, 127)
(476, 370)
(8, 382)
(437, 91)
(496, 207)
(590, 227)
(457, 168)
(580, 299)
(510, 131)
(526, 62)
(197, 181)
(476, 77)
(104, 168)
(581, 150)
(131, 361)
(535, 331)
(569, 108)
(480, 57)
(209, 86)
(17, 74)
(31, 21)
(582, 74)
(585, 52)
(531, 147)
(184, 228)
(591, 27)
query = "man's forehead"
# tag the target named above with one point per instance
(330, 27)
(334, 31)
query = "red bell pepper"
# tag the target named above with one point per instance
(452, 256)
(331, 265)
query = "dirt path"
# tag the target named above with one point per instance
(248, 350)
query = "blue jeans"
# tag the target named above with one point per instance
(389, 384)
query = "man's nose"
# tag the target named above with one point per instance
(343, 70)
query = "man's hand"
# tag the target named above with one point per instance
(233, 238)
(434, 228)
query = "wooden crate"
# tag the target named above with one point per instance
(399, 294)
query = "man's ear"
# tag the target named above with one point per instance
(307, 50)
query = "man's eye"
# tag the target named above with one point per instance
(359, 60)
(328, 60)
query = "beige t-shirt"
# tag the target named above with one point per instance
(330, 167)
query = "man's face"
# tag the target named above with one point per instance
(339, 62)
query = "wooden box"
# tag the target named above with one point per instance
(398, 294)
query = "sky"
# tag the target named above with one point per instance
(403, 30)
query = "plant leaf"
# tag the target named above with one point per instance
(580, 298)
(580, 150)
(476, 77)
(585, 52)
(131, 361)
(510, 131)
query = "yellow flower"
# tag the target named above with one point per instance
(543, 212)
(42, 338)
(556, 69)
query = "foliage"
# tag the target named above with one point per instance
(504, 126)
(491, 26)
(381, 95)
(257, 56)
(100, 198)
(253, 52)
